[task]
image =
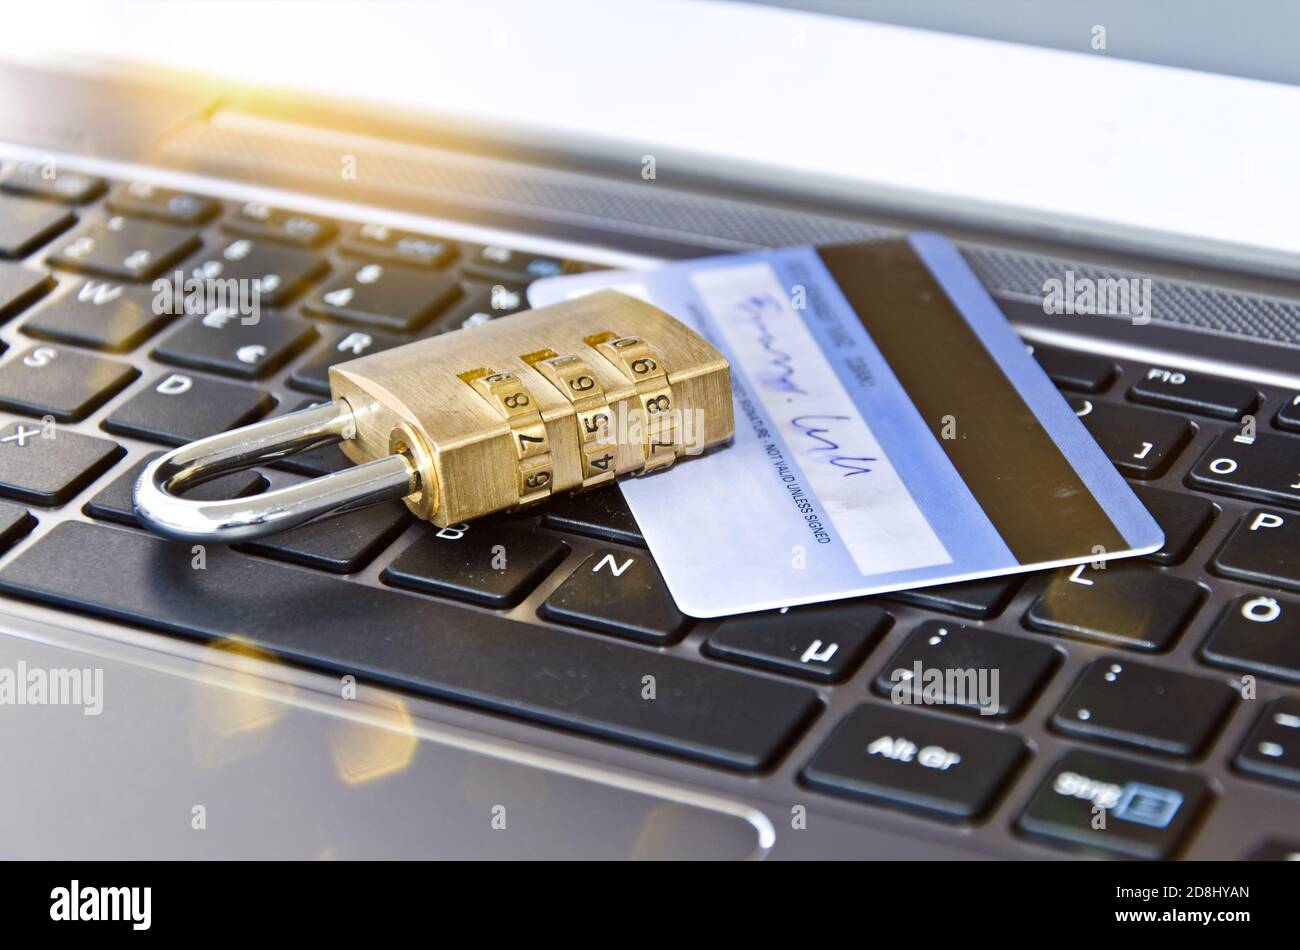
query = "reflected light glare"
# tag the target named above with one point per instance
(366, 751)
(233, 710)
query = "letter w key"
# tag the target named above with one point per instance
(99, 293)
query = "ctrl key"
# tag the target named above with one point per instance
(916, 761)
(1115, 805)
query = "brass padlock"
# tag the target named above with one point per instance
(480, 420)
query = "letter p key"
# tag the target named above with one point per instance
(1266, 519)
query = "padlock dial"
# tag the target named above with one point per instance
(510, 397)
(642, 366)
(579, 384)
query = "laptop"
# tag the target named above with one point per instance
(334, 691)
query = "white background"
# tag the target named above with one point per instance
(1082, 144)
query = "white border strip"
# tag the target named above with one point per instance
(1198, 164)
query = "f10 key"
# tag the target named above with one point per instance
(1190, 392)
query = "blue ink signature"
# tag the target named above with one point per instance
(818, 433)
(782, 379)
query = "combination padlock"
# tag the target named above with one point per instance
(480, 420)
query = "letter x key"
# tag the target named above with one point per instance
(20, 435)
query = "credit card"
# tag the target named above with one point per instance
(892, 432)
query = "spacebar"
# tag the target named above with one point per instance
(566, 679)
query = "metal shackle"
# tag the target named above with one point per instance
(161, 510)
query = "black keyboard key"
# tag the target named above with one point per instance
(400, 247)
(47, 180)
(1264, 469)
(178, 408)
(970, 670)
(15, 523)
(1288, 417)
(1184, 518)
(281, 272)
(916, 761)
(1150, 708)
(1272, 750)
(222, 342)
(825, 642)
(1115, 805)
(1141, 443)
(143, 200)
(123, 249)
(313, 462)
(343, 544)
(99, 315)
(20, 287)
(381, 295)
(621, 593)
(1191, 392)
(480, 305)
(494, 262)
(601, 513)
(48, 471)
(1264, 548)
(484, 563)
(48, 380)
(25, 225)
(256, 220)
(980, 599)
(313, 376)
(1257, 633)
(1124, 604)
(1071, 369)
(460, 654)
(116, 503)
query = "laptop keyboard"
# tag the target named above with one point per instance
(559, 616)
